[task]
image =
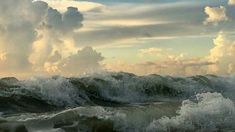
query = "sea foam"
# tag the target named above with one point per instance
(209, 112)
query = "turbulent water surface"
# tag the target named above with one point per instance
(118, 102)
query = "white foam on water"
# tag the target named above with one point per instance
(212, 110)
(122, 87)
(58, 90)
(209, 112)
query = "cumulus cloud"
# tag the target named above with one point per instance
(220, 47)
(215, 14)
(35, 38)
(170, 64)
(219, 61)
(18, 20)
(231, 2)
(55, 34)
(55, 57)
(68, 21)
(222, 53)
(86, 60)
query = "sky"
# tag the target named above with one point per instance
(77, 37)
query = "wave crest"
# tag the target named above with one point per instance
(106, 89)
(209, 112)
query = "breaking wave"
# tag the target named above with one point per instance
(209, 112)
(118, 102)
(112, 88)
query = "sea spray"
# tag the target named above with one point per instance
(119, 102)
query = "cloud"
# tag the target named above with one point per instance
(169, 64)
(86, 60)
(83, 6)
(231, 2)
(220, 47)
(222, 53)
(115, 34)
(148, 20)
(66, 22)
(186, 67)
(34, 35)
(215, 14)
(18, 20)
(150, 51)
(218, 61)
(55, 57)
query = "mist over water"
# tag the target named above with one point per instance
(121, 102)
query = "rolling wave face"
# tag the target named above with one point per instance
(118, 102)
(106, 89)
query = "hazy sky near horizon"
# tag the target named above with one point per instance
(74, 37)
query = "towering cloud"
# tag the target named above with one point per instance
(37, 38)
(215, 14)
(18, 22)
(55, 34)
(222, 53)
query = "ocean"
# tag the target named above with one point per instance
(118, 102)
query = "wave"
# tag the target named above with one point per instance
(206, 112)
(94, 118)
(118, 102)
(210, 112)
(106, 89)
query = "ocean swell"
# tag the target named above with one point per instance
(118, 102)
(206, 112)
(106, 89)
